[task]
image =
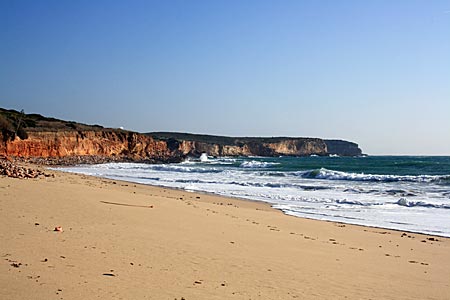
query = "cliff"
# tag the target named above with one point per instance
(35, 136)
(113, 144)
(125, 145)
(288, 147)
(260, 146)
(342, 148)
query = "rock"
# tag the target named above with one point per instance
(342, 148)
(10, 169)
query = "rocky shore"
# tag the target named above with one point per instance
(77, 160)
(11, 169)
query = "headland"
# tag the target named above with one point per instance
(51, 141)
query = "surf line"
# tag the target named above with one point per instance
(124, 204)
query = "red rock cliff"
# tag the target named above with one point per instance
(85, 143)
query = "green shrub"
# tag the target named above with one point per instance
(5, 124)
(22, 134)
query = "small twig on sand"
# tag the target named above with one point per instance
(124, 204)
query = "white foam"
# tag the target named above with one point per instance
(320, 194)
(204, 157)
(339, 175)
(257, 164)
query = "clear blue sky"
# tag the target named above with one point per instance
(373, 72)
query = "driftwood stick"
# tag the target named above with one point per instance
(124, 204)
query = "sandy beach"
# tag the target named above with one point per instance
(122, 240)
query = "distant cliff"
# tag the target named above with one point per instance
(35, 136)
(342, 148)
(260, 146)
(195, 144)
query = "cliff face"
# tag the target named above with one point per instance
(138, 147)
(195, 144)
(290, 147)
(62, 144)
(343, 148)
(299, 147)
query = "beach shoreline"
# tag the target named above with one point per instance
(129, 240)
(347, 190)
(263, 203)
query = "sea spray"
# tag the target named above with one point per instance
(204, 157)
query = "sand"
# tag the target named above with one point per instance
(129, 241)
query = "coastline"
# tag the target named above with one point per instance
(349, 190)
(129, 240)
(263, 203)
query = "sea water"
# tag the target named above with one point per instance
(408, 193)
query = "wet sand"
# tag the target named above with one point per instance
(128, 241)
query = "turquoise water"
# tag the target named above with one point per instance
(380, 165)
(410, 193)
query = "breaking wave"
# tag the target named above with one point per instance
(257, 164)
(183, 169)
(339, 175)
(355, 202)
(405, 202)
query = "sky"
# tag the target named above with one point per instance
(373, 72)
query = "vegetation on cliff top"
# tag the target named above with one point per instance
(220, 140)
(13, 122)
(10, 127)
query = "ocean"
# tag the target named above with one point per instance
(409, 193)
